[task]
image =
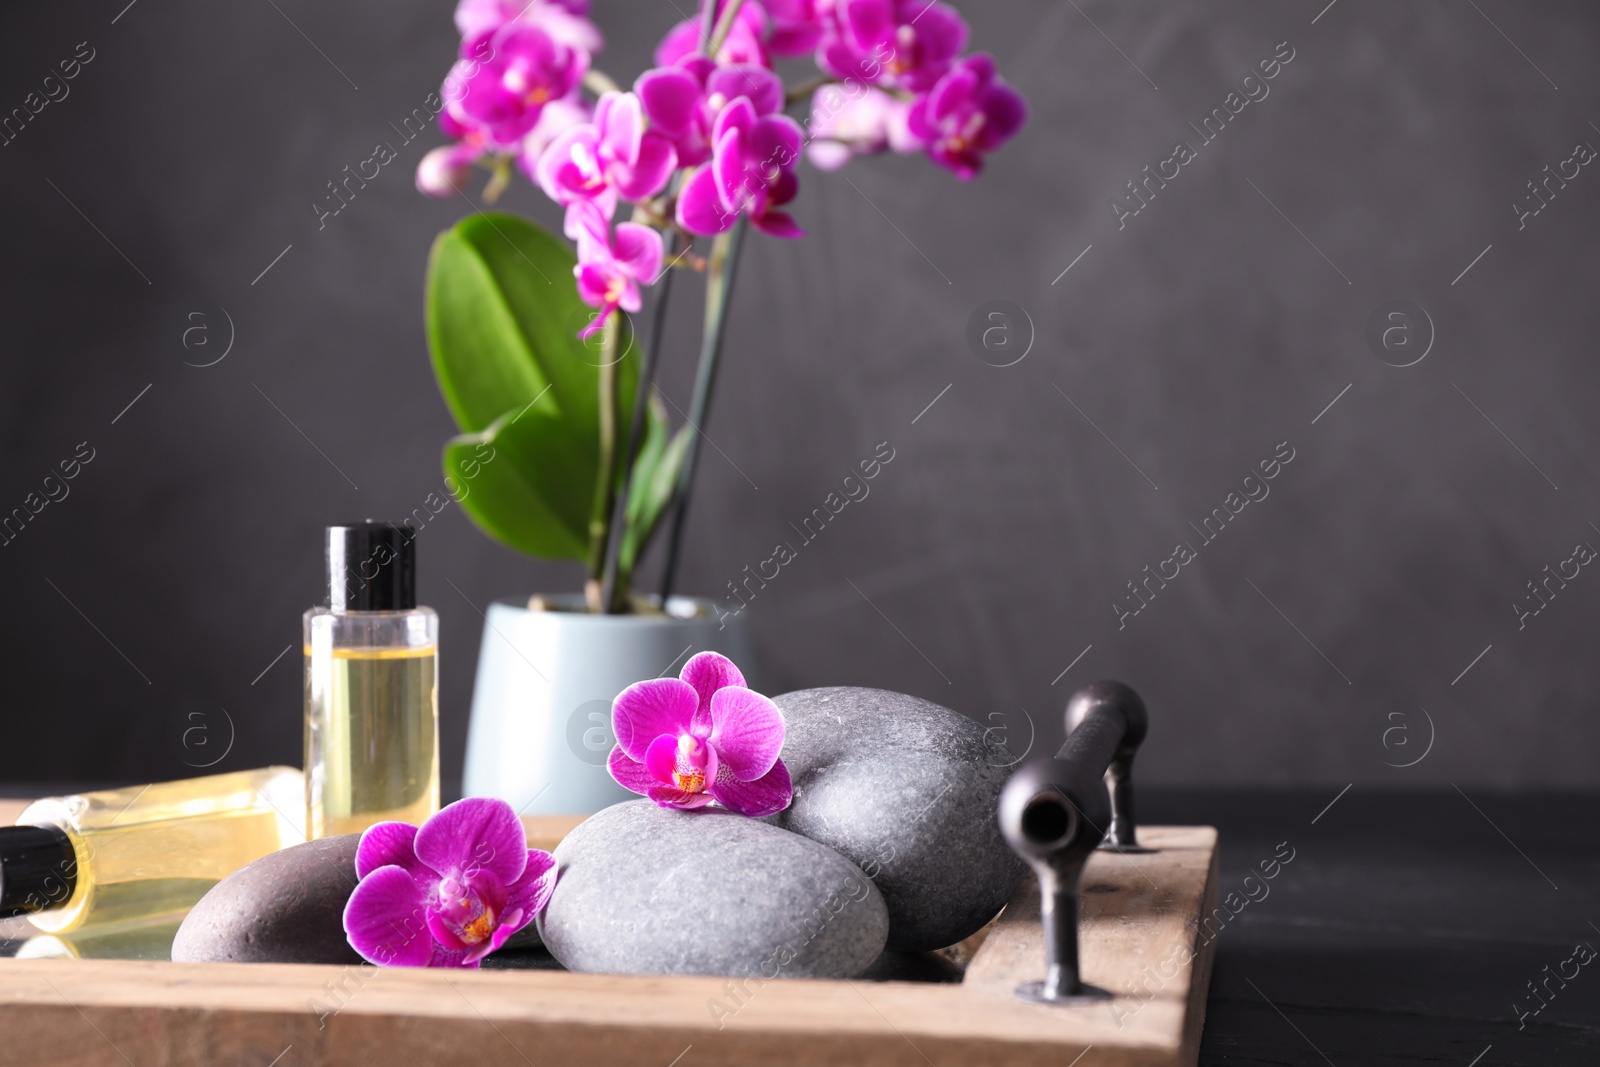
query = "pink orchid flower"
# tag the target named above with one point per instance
(970, 111)
(703, 736)
(613, 155)
(444, 170)
(846, 123)
(501, 92)
(448, 893)
(558, 117)
(683, 101)
(797, 25)
(610, 268)
(751, 172)
(563, 20)
(899, 44)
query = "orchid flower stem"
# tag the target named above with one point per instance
(724, 25)
(616, 585)
(708, 21)
(720, 270)
(498, 180)
(599, 82)
(606, 482)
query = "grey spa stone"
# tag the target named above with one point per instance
(287, 907)
(648, 890)
(908, 790)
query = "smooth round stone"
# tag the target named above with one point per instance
(909, 791)
(648, 890)
(287, 907)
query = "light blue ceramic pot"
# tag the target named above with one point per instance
(541, 706)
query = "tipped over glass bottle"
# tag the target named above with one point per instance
(150, 940)
(371, 687)
(103, 860)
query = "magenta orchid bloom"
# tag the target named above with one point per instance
(448, 893)
(751, 172)
(444, 170)
(970, 111)
(502, 91)
(564, 20)
(900, 44)
(703, 736)
(558, 117)
(611, 268)
(797, 25)
(845, 124)
(683, 102)
(614, 155)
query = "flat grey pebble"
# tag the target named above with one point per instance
(284, 908)
(648, 890)
(909, 791)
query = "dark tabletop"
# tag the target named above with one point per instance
(1406, 929)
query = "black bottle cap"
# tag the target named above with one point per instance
(372, 566)
(38, 869)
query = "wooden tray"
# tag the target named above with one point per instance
(1139, 926)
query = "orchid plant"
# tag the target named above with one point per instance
(699, 148)
(700, 737)
(447, 893)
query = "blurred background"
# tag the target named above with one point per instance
(1369, 620)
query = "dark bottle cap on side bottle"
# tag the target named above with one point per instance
(38, 869)
(372, 566)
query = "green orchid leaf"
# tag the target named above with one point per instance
(527, 481)
(503, 317)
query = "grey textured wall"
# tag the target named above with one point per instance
(1182, 347)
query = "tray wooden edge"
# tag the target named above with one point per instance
(114, 1011)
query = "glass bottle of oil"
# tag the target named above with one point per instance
(372, 690)
(103, 860)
